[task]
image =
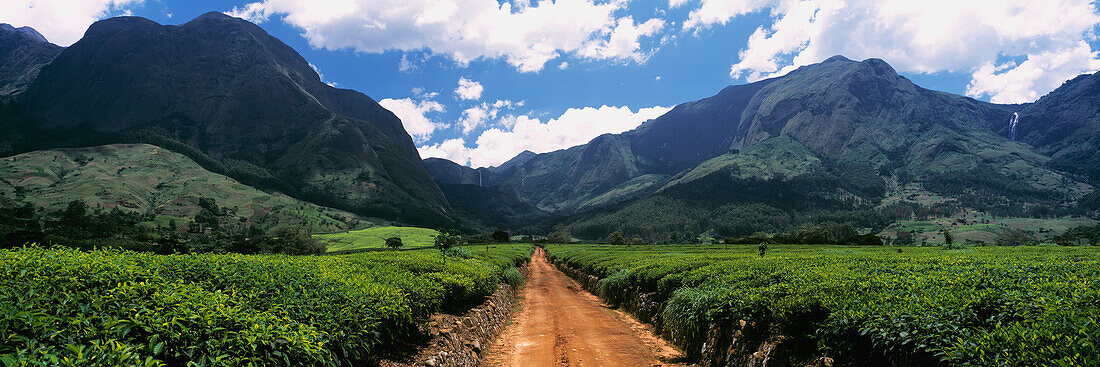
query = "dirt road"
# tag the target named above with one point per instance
(562, 325)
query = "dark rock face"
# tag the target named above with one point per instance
(225, 88)
(1065, 124)
(23, 53)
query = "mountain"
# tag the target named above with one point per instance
(236, 100)
(23, 53)
(838, 140)
(1065, 125)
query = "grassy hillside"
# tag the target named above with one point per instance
(154, 181)
(375, 238)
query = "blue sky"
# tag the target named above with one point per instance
(552, 74)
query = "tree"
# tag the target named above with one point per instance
(394, 242)
(559, 235)
(637, 241)
(1015, 237)
(763, 249)
(501, 236)
(295, 241)
(905, 238)
(75, 213)
(947, 238)
(617, 238)
(446, 241)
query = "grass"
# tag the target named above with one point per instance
(375, 238)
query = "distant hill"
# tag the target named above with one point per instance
(150, 180)
(839, 140)
(236, 100)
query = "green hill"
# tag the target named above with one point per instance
(154, 181)
(375, 238)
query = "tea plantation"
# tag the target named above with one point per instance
(1023, 306)
(110, 308)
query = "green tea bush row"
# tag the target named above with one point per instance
(108, 307)
(982, 306)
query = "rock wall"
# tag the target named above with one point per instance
(458, 341)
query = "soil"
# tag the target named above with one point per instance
(560, 324)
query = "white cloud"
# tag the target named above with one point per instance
(923, 37)
(474, 117)
(468, 89)
(623, 43)
(521, 132)
(712, 12)
(657, 79)
(414, 115)
(454, 150)
(322, 76)
(676, 3)
(564, 65)
(62, 22)
(477, 116)
(1024, 82)
(526, 35)
(406, 65)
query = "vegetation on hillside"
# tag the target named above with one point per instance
(152, 181)
(212, 230)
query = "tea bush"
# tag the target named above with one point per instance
(1022, 306)
(109, 307)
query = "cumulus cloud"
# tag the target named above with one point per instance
(477, 116)
(414, 115)
(932, 36)
(623, 43)
(62, 22)
(453, 150)
(712, 12)
(522, 132)
(468, 89)
(525, 34)
(564, 65)
(1024, 82)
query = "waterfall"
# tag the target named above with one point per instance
(1012, 124)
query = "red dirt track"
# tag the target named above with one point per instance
(560, 324)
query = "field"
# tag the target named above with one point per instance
(106, 307)
(983, 228)
(375, 238)
(1023, 306)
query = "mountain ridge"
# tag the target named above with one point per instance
(237, 100)
(877, 134)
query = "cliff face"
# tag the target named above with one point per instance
(23, 53)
